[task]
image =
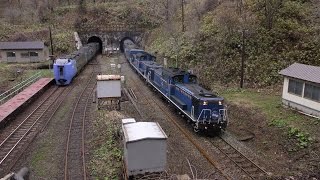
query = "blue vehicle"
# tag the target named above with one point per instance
(204, 109)
(65, 69)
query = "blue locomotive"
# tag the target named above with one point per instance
(65, 69)
(204, 109)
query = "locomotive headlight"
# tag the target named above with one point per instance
(220, 103)
(205, 103)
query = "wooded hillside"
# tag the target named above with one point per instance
(267, 35)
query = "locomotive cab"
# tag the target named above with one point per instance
(209, 112)
(64, 71)
(185, 78)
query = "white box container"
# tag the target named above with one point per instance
(145, 147)
(108, 86)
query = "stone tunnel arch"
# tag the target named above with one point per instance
(98, 40)
(122, 42)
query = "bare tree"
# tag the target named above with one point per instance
(270, 8)
(82, 6)
(12, 14)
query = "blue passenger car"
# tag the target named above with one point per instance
(66, 68)
(137, 57)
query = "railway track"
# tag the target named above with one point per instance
(251, 169)
(172, 119)
(74, 166)
(21, 136)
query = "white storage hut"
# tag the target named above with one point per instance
(108, 90)
(301, 88)
(145, 148)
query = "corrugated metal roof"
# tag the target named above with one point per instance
(21, 45)
(303, 72)
(128, 120)
(143, 130)
(108, 77)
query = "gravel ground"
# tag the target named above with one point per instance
(23, 114)
(273, 145)
(45, 156)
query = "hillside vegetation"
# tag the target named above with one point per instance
(273, 34)
(266, 35)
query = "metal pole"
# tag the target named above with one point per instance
(167, 11)
(177, 61)
(51, 44)
(242, 58)
(182, 15)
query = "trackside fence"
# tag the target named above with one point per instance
(4, 97)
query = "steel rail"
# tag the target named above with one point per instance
(203, 152)
(27, 118)
(241, 156)
(189, 137)
(66, 171)
(198, 146)
(30, 128)
(56, 109)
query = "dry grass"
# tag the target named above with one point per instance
(106, 146)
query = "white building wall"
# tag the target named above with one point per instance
(299, 103)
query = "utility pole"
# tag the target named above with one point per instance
(182, 15)
(243, 53)
(51, 44)
(167, 11)
(243, 47)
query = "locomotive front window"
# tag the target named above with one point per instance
(143, 58)
(208, 95)
(178, 79)
(192, 79)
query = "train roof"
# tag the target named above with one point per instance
(198, 91)
(143, 130)
(158, 70)
(171, 71)
(109, 77)
(138, 50)
(62, 61)
(151, 64)
(145, 57)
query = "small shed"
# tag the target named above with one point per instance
(23, 52)
(145, 148)
(301, 88)
(108, 90)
